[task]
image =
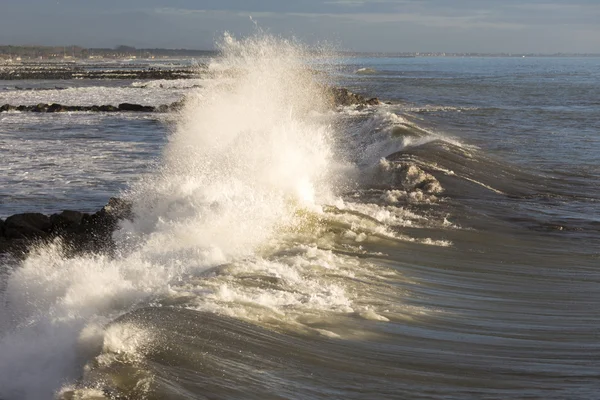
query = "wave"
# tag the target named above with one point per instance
(276, 249)
(245, 159)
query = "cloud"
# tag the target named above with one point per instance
(378, 25)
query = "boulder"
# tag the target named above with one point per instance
(27, 226)
(7, 107)
(344, 97)
(41, 107)
(108, 108)
(95, 232)
(55, 107)
(65, 220)
(80, 232)
(135, 107)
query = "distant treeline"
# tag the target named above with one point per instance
(45, 52)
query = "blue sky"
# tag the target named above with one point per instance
(543, 26)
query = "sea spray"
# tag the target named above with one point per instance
(245, 155)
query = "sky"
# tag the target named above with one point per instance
(485, 26)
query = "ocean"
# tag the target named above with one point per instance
(442, 245)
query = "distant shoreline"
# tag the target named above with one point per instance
(29, 53)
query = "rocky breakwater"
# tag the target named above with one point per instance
(123, 107)
(79, 232)
(336, 97)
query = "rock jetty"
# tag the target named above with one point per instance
(335, 96)
(80, 232)
(123, 107)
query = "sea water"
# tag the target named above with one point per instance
(444, 245)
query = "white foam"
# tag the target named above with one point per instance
(98, 95)
(232, 221)
(245, 156)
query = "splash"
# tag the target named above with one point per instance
(246, 154)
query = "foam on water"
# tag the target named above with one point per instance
(244, 158)
(241, 218)
(152, 95)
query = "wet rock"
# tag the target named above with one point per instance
(108, 108)
(344, 97)
(7, 107)
(135, 107)
(26, 226)
(41, 107)
(65, 220)
(79, 232)
(54, 107)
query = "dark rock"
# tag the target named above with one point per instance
(27, 226)
(42, 107)
(135, 107)
(4, 245)
(65, 220)
(80, 232)
(344, 97)
(108, 108)
(54, 107)
(96, 230)
(14, 246)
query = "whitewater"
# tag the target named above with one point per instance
(285, 248)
